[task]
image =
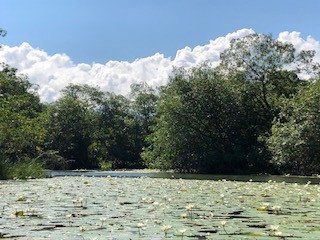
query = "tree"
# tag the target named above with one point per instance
(261, 59)
(268, 73)
(70, 131)
(201, 125)
(21, 120)
(22, 129)
(120, 132)
(95, 128)
(144, 107)
(295, 137)
(117, 138)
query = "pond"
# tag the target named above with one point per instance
(171, 175)
(138, 205)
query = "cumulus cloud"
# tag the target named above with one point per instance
(53, 72)
(301, 44)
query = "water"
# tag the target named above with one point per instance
(94, 205)
(172, 175)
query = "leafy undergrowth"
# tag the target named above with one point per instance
(28, 168)
(145, 208)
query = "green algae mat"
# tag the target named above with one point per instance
(152, 208)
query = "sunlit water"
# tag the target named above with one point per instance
(172, 175)
(138, 205)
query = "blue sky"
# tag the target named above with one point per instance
(101, 30)
(113, 44)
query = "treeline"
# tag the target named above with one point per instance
(250, 114)
(84, 129)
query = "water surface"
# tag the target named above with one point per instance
(172, 175)
(144, 205)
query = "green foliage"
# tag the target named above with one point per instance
(93, 128)
(216, 121)
(262, 61)
(200, 125)
(105, 165)
(144, 106)
(22, 169)
(231, 119)
(28, 168)
(70, 129)
(21, 120)
(295, 138)
(120, 133)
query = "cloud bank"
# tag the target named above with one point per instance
(53, 72)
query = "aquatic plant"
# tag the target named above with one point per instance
(189, 208)
(140, 226)
(165, 229)
(103, 221)
(182, 232)
(82, 228)
(223, 225)
(132, 208)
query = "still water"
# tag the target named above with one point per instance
(122, 205)
(172, 175)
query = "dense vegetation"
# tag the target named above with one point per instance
(21, 125)
(250, 114)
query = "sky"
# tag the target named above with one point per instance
(112, 44)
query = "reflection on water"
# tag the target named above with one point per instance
(139, 173)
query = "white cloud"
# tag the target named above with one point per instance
(301, 44)
(53, 72)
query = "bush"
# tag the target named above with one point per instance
(28, 168)
(105, 165)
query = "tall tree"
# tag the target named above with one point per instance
(261, 59)
(95, 128)
(120, 133)
(144, 106)
(21, 120)
(295, 138)
(200, 125)
(70, 131)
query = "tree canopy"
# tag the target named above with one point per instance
(21, 117)
(253, 113)
(261, 60)
(93, 128)
(295, 139)
(201, 125)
